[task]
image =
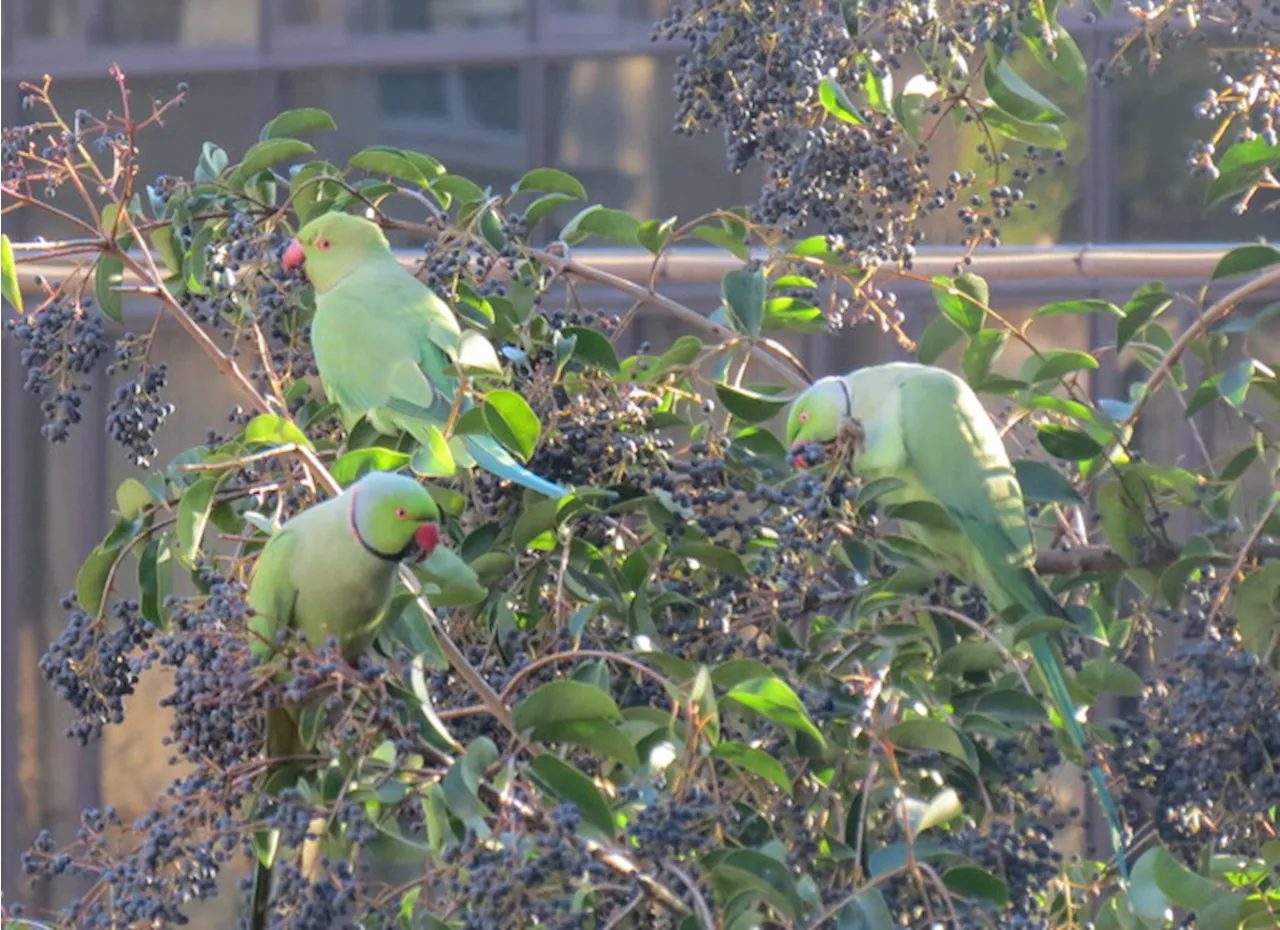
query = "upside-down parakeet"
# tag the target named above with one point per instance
(925, 427)
(383, 344)
(330, 571)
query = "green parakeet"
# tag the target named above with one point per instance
(925, 427)
(383, 343)
(330, 571)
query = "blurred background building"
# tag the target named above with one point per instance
(491, 88)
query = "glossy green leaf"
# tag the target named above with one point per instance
(593, 347)
(743, 292)
(552, 181)
(969, 881)
(92, 578)
(939, 336)
(756, 761)
(9, 286)
(1088, 305)
(980, 354)
(654, 234)
(512, 422)
(762, 873)
(1104, 676)
(565, 782)
(1241, 167)
(193, 517)
(968, 314)
(564, 699)
(108, 275)
(1062, 58)
(750, 406)
(1062, 442)
(354, 465)
(723, 238)
(868, 911)
(1246, 259)
(1011, 706)
(1257, 608)
(602, 221)
(600, 736)
(385, 161)
(268, 153)
(773, 699)
(291, 122)
(155, 580)
(941, 808)
(924, 733)
(794, 314)
(275, 430)
(1144, 307)
(132, 498)
(543, 207)
(1056, 364)
(455, 582)
(1045, 135)
(1042, 482)
(1016, 97)
(836, 102)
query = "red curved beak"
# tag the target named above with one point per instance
(427, 537)
(293, 256)
(797, 458)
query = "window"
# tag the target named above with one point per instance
(177, 22)
(49, 19)
(437, 15)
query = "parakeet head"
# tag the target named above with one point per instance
(815, 414)
(394, 517)
(332, 246)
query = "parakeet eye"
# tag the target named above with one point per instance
(804, 416)
(322, 244)
(402, 514)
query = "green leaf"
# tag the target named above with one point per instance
(981, 352)
(132, 498)
(923, 733)
(457, 584)
(512, 422)
(1246, 259)
(9, 286)
(773, 699)
(593, 347)
(1088, 305)
(942, 807)
(602, 221)
(109, 274)
(1016, 97)
(716, 558)
(275, 431)
(541, 208)
(1011, 706)
(1257, 608)
(1183, 886)
(1144, 307)
(565, 699)
(749, 406)
(91, 579)
(193, 517)
(743, 294)
(455, 187)
(265, 154)
(355, 465)
(291, 122)
(1063, 59)
(724, 238)
(654, 234)
(793, 313)
(1104, 676)
(1042, 482)
(1054, 365)
(600, 736)
(836, 102)
(1065, 443)
(155, 580)
(969, 881)
(476, 354)
(878, 87)
(951, 300)
(552, 181)
(565, 782)
(732, 869)
(1045, 135)
(754, 760)
(385, 161)
(963, 658)
(940, 335)
(909, 106)
(868, 911)
(1241, 167)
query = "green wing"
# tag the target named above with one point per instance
(956, 455)
(272, 593)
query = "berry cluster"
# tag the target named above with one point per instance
(754, 71)
(63, 344)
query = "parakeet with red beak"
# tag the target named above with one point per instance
(926, 427)
(383, 343)
(330, 571)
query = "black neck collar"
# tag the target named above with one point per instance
(848, 397)
(373, 551)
